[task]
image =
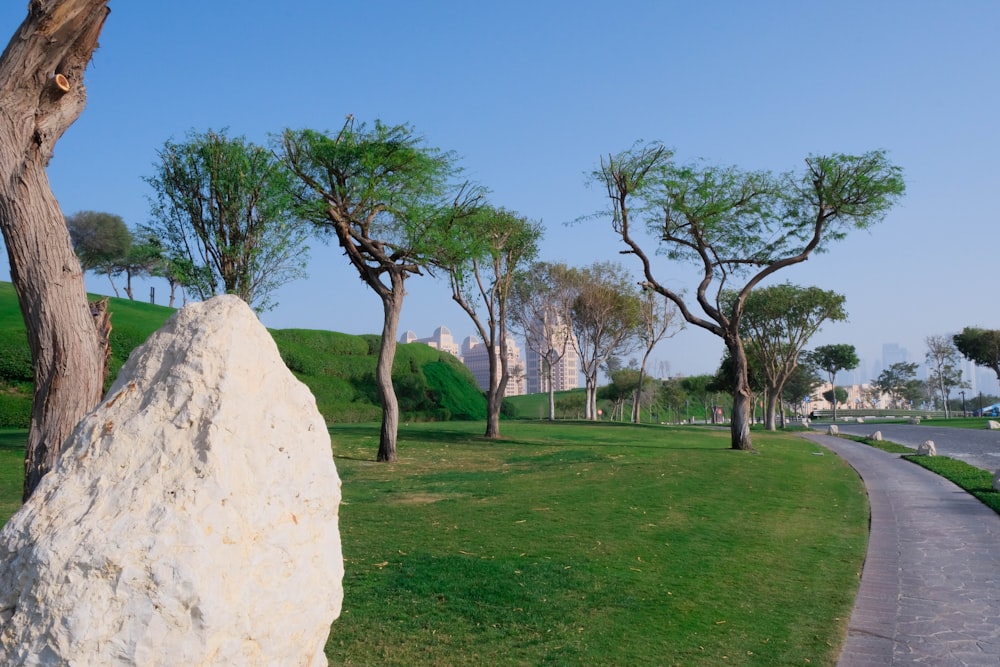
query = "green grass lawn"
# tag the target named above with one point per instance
(582, 544)
(587, 544)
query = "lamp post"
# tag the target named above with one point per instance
(962, 392)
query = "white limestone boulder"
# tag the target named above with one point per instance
(993, 425)
(833, 429)
(927, 448)
(191, 518)
(876, 436)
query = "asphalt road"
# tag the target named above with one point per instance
(980, 448)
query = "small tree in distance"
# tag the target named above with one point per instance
(658, 319)
(101, 241)
(481, 257)
(832, 359)
(539, 307)
(945, 373)
(779, 320)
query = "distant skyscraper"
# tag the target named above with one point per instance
(475, 355)
(440, 340)
(892, 353)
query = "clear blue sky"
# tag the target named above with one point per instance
(531, 94)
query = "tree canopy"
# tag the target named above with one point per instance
(741, 226)
(832, 359)
(226, 207)
(778, 321)
(980, 346)
(388, 198)
(481, 258)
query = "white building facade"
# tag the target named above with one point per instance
(475, 355)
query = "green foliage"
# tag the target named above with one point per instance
(976, 481)
(837, 392)
(223, 214)
(338, 368)
(980, 346)
(900, 381)
(100, 240)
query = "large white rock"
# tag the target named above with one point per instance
(191, 519)
(927, 448)
(993, 425)
(833, 429)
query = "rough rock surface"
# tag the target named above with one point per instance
(927, 448)
(993, 425)
(833, 429)
(877, 436)
(191, 519)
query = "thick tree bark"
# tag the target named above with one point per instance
(742, 398)
(392, 304)
(41, 95)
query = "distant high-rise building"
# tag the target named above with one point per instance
(551, 334)
(892, 353)
(475, 355)
(440, 340)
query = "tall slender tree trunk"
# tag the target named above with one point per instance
(497, 388)
(771, 410)
(552, 390)
(499, 376)
(392, 304)
(742, 398)
(41, 95)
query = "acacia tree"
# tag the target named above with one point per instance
(100, 240)
(800, 385)
(538, 308)
(481, 257)
(945, 373)
(831, 359)
(605, 318)
(142, 259)
(387, 197)
(980, 346)
(41, 95)
(740, 225)
(780, 320)
(657, 320)
(900, 381)
(226, 206)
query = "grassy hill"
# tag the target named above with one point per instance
(338, 368)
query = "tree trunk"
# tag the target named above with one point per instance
(392, 304)
(742, 398)
(41, 95)
(591, 397)
(771, 410)
(498, 386)
(552, 391)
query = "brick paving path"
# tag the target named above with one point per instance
(930, 588)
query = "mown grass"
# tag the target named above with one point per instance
(975, 481)
(586, 544)
(11, 471)
(571, 544)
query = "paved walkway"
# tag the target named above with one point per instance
(930, 588)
